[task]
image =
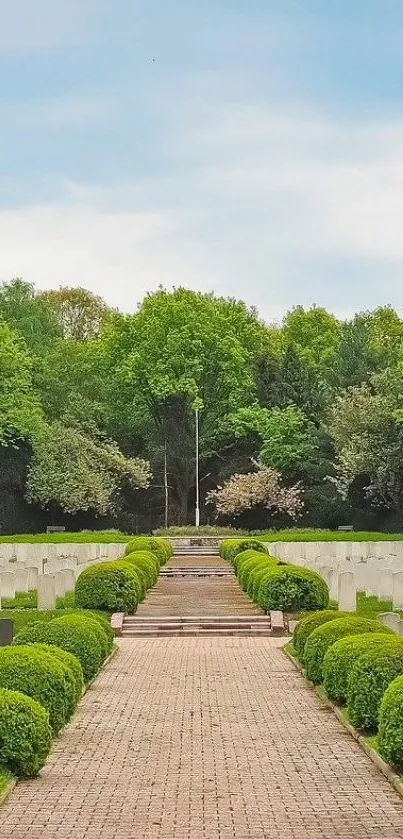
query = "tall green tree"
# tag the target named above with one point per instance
(30, 315)
(20, 409)
(182, 349)
(79, 312)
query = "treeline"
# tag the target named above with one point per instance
(97, 413)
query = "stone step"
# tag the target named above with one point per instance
(197, 632)
(193, 618)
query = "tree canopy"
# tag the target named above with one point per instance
(98, 411)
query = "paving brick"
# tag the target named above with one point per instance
(187, 738)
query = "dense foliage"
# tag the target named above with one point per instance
(39, 674)
(25, 733)
(111, 586)
(369, 677)
(390, 735)
(322, 638)
(306, 626)
(302, 419)
(73, 639)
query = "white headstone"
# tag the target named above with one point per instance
(21, 580)
(385, 584)
(46, 591)
(397, 585)
(7, 584)
(32, 574)
(390, 619)
(347, 592)
(69, 579)
(59, 584)
(331, 578)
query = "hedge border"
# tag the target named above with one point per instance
(393, 778)
(10, 787)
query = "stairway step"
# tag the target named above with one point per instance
(156, 633)
(203, 618)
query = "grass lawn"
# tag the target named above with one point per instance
(105, 536)
(290, 535)
(5, 777)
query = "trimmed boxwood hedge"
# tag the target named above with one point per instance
(308, 623)
(369, 677)
(324, 636)
(102, 619)
(147, 562)
(72, 662)
(292, 589)
(390, 734)
(41, 676)
(230, 548)
(88, 625)
(25, 733)
(160, 547)
(71, 638)
(246, 545)
(249, 562)
(111, 586)
(339, 660)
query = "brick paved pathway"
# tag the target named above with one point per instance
(197, 596)
(204, 739)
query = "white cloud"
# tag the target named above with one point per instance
(120, 255)
(264, 205)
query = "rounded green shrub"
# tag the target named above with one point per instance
(390, 733)
(88, 625)
(339, 660)
(147, 562)
(72, 662)
(159, 546)
(111, 586)
(70, 638)
(256, 579)
(245, 545)
(104, 620)
(324, 636)
(292, 589)
(369, 677)
(41, 676)
(226, 548)
(138, 576)
(25, 733)
(308, 623)
(249, 563)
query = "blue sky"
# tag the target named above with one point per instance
(251, 148)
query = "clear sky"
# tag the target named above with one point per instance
(249, 147)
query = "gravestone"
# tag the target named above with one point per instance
(385, 583)
(46, 591)
(6, 632)
(397, 595)
(347, 592)
(59, 584)
(32, 574)
(21, 580)
(69, 579)
(390, 619)
(7, 584)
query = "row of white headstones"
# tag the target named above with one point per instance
(375, 568)
(49, 569)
